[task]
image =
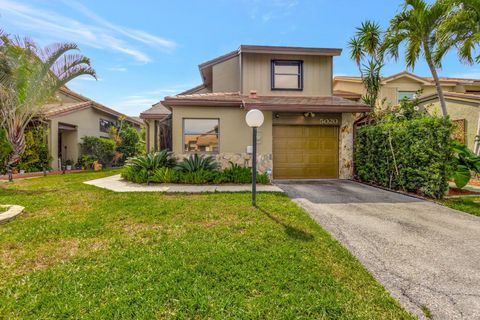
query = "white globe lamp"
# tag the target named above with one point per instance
(254, 119)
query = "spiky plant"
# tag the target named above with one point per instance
(29, 78)
(365, 51)
(196, 163)
(152, 161)
(416, 27)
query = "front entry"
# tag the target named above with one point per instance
(305, 152)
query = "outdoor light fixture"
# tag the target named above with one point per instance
(254, 119)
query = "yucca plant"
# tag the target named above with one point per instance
(152, 161)
(197, 162)
(148, 164)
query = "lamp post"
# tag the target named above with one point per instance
(254, 119)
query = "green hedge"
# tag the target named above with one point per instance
(411, 154)
(234, 174)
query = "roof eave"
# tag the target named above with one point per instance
(309, 108)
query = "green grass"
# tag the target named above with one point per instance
(83, 252)
(468, 204)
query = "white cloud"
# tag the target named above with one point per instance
(117, 69)
(135, 104)
(270, 10)
(99, 34)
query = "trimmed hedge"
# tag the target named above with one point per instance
(233, 174)
(410, 154)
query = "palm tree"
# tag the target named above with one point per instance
(366, 45)
(416, 27)
(461, 29)
(29, 78)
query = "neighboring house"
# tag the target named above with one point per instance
(307, 133)
(462, 97)
(73, 117)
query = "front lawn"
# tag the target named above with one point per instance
(468, 204)
(83, 252)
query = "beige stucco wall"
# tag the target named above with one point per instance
(317, 74)
(389, 91)
(234, 133)
(88, 124)
(150, 134)
(460, 110)
(226, 76)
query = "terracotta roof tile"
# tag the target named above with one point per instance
(268, 103)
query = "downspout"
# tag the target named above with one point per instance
(476, 147)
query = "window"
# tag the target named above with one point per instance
(105, 125)
(200, 135)
(287, 75)
(409, 95)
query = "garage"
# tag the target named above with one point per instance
(305, 152)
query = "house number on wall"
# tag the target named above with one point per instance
(329, 121)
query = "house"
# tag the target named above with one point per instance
(307, 132)
(462, 98)
(72, 117)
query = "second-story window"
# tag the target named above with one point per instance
(408, 95)
(287, 75)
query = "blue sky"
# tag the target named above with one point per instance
(143, 50)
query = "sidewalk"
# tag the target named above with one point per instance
(117, 184)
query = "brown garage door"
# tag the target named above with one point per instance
(305, 152)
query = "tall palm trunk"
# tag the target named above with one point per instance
(17, 140)
(433, 70)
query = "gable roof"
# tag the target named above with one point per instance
(424, 80)
(453, 96)
(405, 74)
(57, 109)
(157, 111)
(268, 103)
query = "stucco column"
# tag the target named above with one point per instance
(53, 143)
(346, 146)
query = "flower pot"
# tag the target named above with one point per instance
(22, 171)
(69, 168)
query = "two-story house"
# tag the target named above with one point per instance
(307, 132)
(462, 97)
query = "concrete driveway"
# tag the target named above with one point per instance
(423, 253)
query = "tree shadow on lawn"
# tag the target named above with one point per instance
(291, 231)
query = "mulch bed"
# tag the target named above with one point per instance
(461, 192)
(36, 174)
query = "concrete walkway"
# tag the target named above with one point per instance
(117, 184)
(423, 253)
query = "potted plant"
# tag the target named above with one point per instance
(69, 164)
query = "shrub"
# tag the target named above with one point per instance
(137, 176)
(464, 163)
(5, 149)
(101, 149)
(165, 175)
(237, 174)
(406, 151)
(150, 171)
(147, 165)
(197, 162)
(36, 156)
